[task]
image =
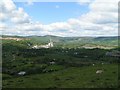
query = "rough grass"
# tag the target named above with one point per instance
(72, 77)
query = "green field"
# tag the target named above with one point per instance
(72, 77)
(71, 68)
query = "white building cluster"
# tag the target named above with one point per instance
(49, 45)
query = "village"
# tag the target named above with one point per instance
(49, 45)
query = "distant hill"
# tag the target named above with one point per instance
(73, 42)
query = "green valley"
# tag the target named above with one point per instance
(67, 64)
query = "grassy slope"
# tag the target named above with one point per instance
(84, 77)
(72, 77)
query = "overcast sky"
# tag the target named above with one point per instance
(80, 18)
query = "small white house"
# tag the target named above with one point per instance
(22, 73)
(99, 71)
(35, 47)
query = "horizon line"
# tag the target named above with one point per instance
(57, 36)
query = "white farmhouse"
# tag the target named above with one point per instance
(35, 47)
